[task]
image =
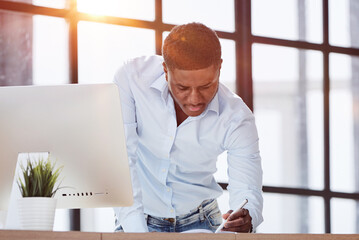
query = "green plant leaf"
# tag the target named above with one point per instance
(39, 178)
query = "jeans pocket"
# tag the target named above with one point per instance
(214, 218)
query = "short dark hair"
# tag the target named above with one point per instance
(191, 46)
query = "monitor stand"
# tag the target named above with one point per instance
(2, 219)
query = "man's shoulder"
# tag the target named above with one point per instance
(232, 105)
(139, 73)
(145, 65)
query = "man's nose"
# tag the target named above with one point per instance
(194, 97)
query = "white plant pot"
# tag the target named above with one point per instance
(37, 213)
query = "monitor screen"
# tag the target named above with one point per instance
(81, 127)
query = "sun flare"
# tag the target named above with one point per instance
(120, 8)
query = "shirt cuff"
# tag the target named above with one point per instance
(134, 223)
(256, 221)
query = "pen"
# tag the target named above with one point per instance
(224, 222)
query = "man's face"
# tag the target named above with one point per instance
(193, 90)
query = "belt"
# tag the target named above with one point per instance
(199, 208)
(171, 220)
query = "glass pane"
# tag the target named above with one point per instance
(288, 106)
(46, 3)
(52, 3)
(228, 70)
(223, 202)
(221, 174)
(288, 19)
(104, 47)
(15, 49)
(216, 14)
(33, 49)
(344, 122)
(344, 23)
(313, 21)
(50, 50)
(292, 214)
(136, 9)
(344, 216)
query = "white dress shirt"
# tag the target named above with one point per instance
(172, 167)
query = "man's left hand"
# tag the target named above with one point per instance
(238, 222)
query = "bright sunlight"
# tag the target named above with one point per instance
(137, 9)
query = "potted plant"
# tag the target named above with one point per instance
(37, 183)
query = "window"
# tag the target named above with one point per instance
(305, 91)
(344, 119)
(294, 62)
(289, 110)
(102, 49)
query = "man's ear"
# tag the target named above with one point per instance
(220, 66)
(165, 70)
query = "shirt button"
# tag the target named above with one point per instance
(171, 211)
(164, 170)
(168, 189)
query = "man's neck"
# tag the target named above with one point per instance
(180, 115)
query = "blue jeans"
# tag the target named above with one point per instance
(206, 216)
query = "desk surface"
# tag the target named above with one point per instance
(42, 235)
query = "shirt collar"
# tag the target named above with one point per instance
(161, 85)
(214, 104)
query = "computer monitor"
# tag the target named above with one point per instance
(81, 127)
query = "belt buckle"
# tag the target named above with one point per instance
(171, 220)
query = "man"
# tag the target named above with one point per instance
(178, 118)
